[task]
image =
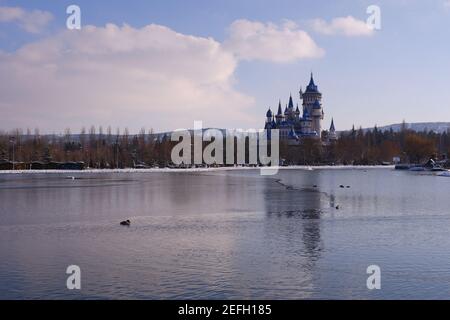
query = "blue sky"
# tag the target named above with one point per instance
(399, 72)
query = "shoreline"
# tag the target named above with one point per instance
(177, 170)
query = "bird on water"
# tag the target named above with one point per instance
(125, 223)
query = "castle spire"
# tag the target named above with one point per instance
(291, 103)
(332, 128)
(312, 86)
(279, 108)
(311, 81)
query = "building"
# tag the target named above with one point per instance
(294, 125)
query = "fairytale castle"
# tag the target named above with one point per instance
(292, 126)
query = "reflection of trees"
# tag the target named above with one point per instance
(298, 212)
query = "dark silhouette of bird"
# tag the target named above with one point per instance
(125, 223)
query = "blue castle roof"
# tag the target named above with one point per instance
(305, 114)
(279, 109)
(332, 128)
(316, 104)
(312, 86)
(291, 103)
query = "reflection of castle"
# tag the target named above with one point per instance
(292, 126)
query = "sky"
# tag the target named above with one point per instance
(162, 65)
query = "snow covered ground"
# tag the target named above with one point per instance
(131, 170)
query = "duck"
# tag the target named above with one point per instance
(125, 223)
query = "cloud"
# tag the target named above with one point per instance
(346, 26)
(446, 4)
(120, 76)
(31, 21)
(252, 40)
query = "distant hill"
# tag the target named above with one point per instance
(439, 127)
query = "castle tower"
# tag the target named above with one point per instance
(279, 116)
(291, 103)
(332, 136)
(269, 116)
(297, 113)
(312, 104)
(317, 116)
(306, 122)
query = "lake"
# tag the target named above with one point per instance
(226, 234)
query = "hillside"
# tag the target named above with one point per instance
(439, 127)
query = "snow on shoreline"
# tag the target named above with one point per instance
(164, 170)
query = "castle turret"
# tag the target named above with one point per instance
(312, 104)
(269, 116)
(291, 103)
(306, 122)
(279, 116)
(332, 136)
(317, 116)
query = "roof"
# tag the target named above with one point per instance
(312, 87)
(316, 104)
(291, 103)
(332, 128)
(279, 109)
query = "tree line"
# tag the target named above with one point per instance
(372, 147)
(97, 148)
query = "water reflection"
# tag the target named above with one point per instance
(294, 215)
(224, 235)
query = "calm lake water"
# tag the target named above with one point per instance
(226, 235)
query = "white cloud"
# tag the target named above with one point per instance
(347, 26)
(31, 21)
(447, 4)
(120, 76)
(252, 40)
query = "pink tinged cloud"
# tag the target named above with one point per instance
(31, 21)
(149, 77)
(153, 77)
(345, 26)
(252, 40)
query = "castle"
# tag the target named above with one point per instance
(293, 127)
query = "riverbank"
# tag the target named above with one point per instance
(132, 170)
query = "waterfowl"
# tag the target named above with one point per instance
(125, 223)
